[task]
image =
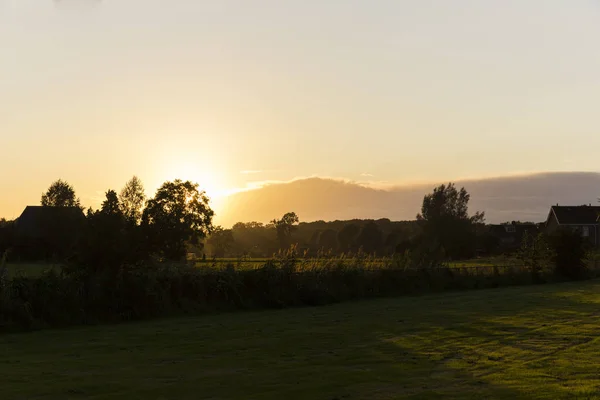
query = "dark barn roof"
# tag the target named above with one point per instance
(576, 215)
(39, 221)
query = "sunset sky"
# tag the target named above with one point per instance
(229, 93)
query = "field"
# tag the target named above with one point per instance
(36, 269)
(28, 269)
(534, 342)
(369, 262)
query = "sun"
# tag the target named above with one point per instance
(208, 180)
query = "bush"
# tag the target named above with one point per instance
(570, 250)
(536, 253)
(152, 290)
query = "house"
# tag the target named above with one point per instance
(509, 237)
(44, 232)
(583, 219)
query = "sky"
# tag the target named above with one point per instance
(232, 93)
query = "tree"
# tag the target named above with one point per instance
(111, 205)
(535, 253)
(132, 199)
(106, 244)
(221, 241)
(328, 240)
(6, 235)
(370, 238)
(347, 237)
(569, 251)
(253, 239)
(178, 213)
(445, 221)
(391, 241)
(60, 194)
(285, 226)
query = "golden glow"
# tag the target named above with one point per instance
(207, 180)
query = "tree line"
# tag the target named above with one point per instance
(127, 228)
(443, 226)
(178, 221)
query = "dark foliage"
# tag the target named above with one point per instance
(569, 254)
(132, 199)
(146, 291)
(220, 241)
(110, 238)
(446, 223)
(284, 228)
(178, 213)
(535, 253)
(370, 239)
(347, 237)
(60, 194)
(7, 235)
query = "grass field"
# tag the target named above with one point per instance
(252, 263)
(534, 342)
(36, 269)
(28, 269)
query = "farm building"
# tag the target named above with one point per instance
(47, 232)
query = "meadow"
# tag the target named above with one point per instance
(36, 269)
(530, 342)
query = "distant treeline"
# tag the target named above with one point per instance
(177, 223)
(255, 239)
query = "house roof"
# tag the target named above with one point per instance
(512, 229)
(576, 215)
(39, 221)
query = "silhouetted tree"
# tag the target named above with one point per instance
(111, 205)
(347, 237)
(60, 194)
(370, 238)
(328, 240)
(535, 253)
(570, 253)
(445, 221)
(313, 241)
(285, 226)
(391, 241)
(106, 243)
(6, 235)
(132, 199)
(179, 212)
(221, 241)
(253, 239)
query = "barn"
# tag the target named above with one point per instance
(47, 233)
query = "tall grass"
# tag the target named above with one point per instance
(288, 280)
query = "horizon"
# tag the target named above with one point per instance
(236, 97)
(544, 188)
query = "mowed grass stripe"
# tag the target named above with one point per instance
(537, 342)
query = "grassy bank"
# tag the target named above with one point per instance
(533, 342)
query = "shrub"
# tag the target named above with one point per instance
(536, 254)
(570, 250)
(149, 290)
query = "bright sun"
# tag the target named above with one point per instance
(206, 179)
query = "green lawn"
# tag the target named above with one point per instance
(533, 342)
(28, 269)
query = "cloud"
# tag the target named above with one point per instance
(367, 174)
(524, 197)
(251, 171)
